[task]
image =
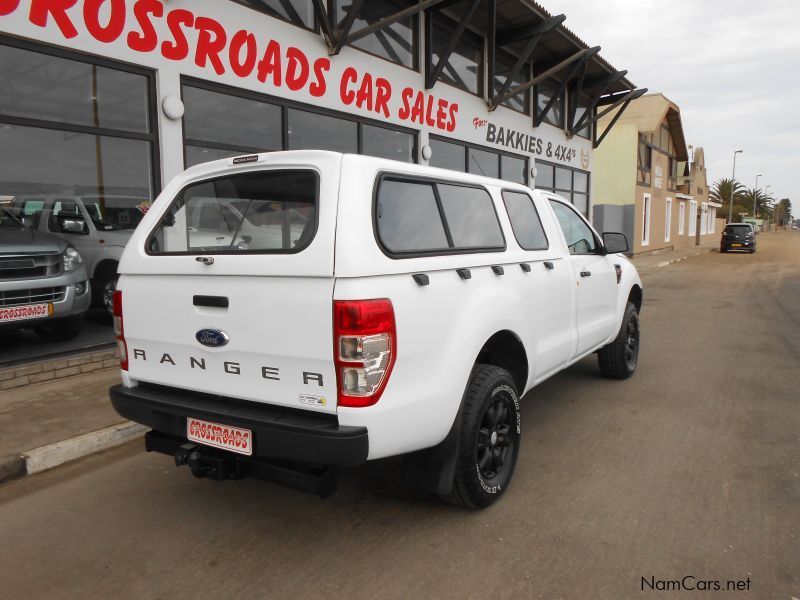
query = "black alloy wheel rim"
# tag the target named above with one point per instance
(495, 436)
(632, 343)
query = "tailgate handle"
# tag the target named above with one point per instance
(586, 273)
(206, 260)
(212, 301)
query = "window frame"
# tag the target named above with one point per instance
(536, 212)
(285, 105)
(433, 181)
(152, 108)
(430, 28)
(468, 145)
(200, 180)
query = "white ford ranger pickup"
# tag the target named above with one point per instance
(283, 315)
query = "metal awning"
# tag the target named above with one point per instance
(523, 29)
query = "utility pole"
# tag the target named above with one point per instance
(733, 179)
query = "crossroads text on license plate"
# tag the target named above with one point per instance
(30, 311)
(220, 436)
(732, 245)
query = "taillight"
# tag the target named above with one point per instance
(119, 331)
(365, 348)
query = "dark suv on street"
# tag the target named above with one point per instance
(738, 236)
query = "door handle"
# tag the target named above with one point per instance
(549, 265)
(586, 273)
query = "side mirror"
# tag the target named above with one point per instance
(72, 225)
(615, 243)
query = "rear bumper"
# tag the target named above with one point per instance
(741, 246)
(277, 433)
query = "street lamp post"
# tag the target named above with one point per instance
(755, 196)
(733, 179)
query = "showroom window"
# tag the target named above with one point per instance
(459, 157)
(465, 67)
(396, 42)
(583, 105)
(221, 122)
(570, 184)
(75, 126)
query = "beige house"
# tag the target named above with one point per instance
(646, 184)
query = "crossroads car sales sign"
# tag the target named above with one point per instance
(229, 43)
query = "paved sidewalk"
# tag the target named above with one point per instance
(39, 414)
(651, 262)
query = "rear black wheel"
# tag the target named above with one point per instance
(489, 440)
(618, 359)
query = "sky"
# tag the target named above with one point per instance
(732, 66)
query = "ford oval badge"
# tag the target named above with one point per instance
(212, 337)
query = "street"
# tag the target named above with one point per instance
(689, 471)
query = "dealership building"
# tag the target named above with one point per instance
(112, 98)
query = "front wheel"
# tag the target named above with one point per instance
(489, 440)
(60, 330)
(618, 359)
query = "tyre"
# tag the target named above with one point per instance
(489, 438)
(619, 358)
(61, 330)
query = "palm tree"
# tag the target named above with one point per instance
(721, 192)
(763, 202)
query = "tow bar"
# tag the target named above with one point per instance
(210, 463)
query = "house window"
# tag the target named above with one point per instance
(646, 220)
(668, 221)
(645, 161)
(681, 217)
(692, 218)
(672, 180)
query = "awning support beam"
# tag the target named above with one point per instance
(625, 100)
(536, 35)
(581, 56)
(343, 30)
(391, 20)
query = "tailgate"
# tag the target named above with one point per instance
(279, 334)
(227, 283)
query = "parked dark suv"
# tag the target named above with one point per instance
(738, 236)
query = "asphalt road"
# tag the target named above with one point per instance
(690, 469)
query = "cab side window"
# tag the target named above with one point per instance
(525, 221)
(580, 238)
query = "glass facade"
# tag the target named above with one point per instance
(225, 122)
(570, 184)
(72, 128)
(459, 157)
(504, 63)
(545, 92)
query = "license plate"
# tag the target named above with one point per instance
(21, 313)
(220, 436)
(735, 245)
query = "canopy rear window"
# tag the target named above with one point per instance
(251, 213)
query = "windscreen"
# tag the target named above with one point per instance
(258, 212)
(737, 229)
